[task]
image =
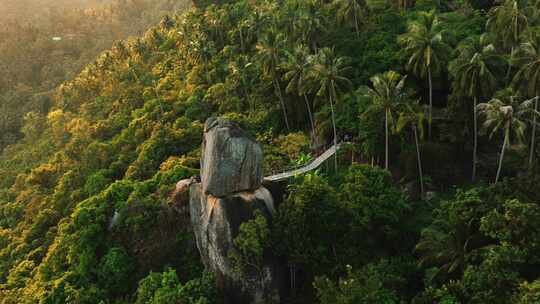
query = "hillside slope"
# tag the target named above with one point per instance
(85, 209)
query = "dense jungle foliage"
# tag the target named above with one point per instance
(434, 198)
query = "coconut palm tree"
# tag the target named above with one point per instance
(328, 74)
(201, 49)
(387, 93)
(402, 5)
(474, 72)
(528, 80)
(508, 23)
(533, 12)
(351, 10)
(166, 22)
(506, 113)
(297, 67)
(446, 246)
(239, 25)
(412, 115)
(269, 50)
(309, 24)
(427, 51)
(240, 75)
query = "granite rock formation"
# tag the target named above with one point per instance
(231, 161)
(229, 194)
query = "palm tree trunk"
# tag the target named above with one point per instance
(135, 75)
(475, 147)
(386, 139)
(242, 40)
(332, 93)
(310, 117)
(430, 102)
(278, 92)
(206, 76)
(244, 87)
(419, 159)
(502, 156)
(533, 136)
(509, 66)
(356, 20)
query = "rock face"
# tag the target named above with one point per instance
(231, 161)
(229, 195)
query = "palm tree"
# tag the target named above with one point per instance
(351, 10)
(309, 25)
(533, 11)
(405, 4)
(215, 24)
(474, 72)
(269, 50)
(412, 114)
(329, 76)
(427, 50)
(446, 245)
(505, 113)
(387, 93)
(508, 23)
(201, 50)
(528, 78)
(166, 23)
(240, 75)
(297, 67)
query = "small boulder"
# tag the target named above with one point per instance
(180, 195)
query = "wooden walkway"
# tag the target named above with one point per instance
(311, 166)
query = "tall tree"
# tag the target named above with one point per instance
(387, 93)
(239, 69)
(508, 23)
(309, 24)
(297, 69)
(528, 80)
(505, 113)
(474, 72)
(329, 74)
(427, 51)
(412, 115)
(269, 49)
(351, 10)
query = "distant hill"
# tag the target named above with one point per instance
(45, 42)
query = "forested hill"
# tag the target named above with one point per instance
(86, 214)
(43, 43)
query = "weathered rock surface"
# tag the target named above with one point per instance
(216, 222)
(231, 161)
(229, 194)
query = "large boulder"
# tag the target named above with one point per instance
(229, 194)
(216, 223)
(231, 161)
